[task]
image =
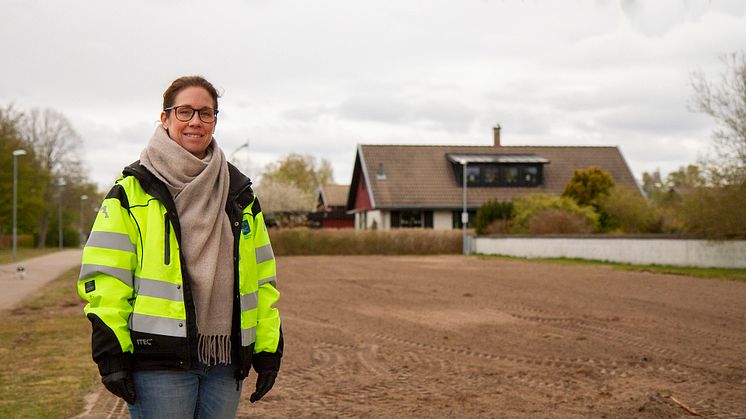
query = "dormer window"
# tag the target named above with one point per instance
(499, 170)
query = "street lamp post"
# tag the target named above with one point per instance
(61, 183)
(82, 232)
(16, 153)
(239, 148)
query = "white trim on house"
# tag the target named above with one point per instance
(364, 168)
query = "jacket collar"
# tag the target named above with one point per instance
(239, 189)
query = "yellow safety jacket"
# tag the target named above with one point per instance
(135, 280)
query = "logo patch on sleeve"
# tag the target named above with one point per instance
(245, 228)
(90, 286)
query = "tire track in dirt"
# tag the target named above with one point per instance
(609, 368)
(549, 388)
(543, 315)
(625, 338)
(677, 362)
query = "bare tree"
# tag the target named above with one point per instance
(725, 101)
(300, 170)
(55, 141)
(58, 148)
(283, 201)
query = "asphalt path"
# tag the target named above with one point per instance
(38, 271)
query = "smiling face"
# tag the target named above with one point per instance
(193, 135)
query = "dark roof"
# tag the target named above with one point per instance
(333, 195)
(422, 176)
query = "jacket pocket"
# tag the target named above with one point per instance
(167, 241)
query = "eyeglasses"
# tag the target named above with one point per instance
(185, 113)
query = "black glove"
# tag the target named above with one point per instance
(120, 384)
(264, 383)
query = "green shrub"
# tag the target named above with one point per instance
(526, 207)
(303, 241)
(588, 187)
(559, 221)
(628, 212)
(715, 213)
(490, 212)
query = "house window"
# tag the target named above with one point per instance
(510, 175)
(411, 219)
(500, 174)
(491, 175)
(530, 174)
(473, 174)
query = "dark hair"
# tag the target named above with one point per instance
(188, 81)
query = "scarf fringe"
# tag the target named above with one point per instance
(214, 350)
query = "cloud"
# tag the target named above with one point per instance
(320, 77)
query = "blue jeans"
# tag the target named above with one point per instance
(207, 392)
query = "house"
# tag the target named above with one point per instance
(331, 208)
(421, 186)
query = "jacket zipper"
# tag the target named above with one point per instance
(167, 242)
(236, 286)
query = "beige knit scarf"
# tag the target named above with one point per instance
(200, 190)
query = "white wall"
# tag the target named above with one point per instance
(442, 220)
(374, 215)
(723, 254)
(385, 220)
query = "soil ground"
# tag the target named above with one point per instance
(454, 336)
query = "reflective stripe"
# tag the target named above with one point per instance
(264, 253)
(249, 301)
(110, 240)
(158, 325)
(272, 279)
(248, 336)
(158, 289)
(89, 270)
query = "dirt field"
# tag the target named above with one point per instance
(448, 336)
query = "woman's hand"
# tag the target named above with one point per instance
(120, 384)
(264, 383)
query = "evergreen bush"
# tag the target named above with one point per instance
(490, 212)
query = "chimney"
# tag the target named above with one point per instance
(496, 132)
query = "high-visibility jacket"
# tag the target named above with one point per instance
(138, 289)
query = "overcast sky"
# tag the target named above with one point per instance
(320, 77)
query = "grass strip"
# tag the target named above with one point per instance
(730, 274)
(6, 255)
(45, 348)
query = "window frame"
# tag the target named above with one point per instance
(425, 218)
(502, 169)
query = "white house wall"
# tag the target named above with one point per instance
(442, 220)
(359, 219)
(385, 220)
(374, 216)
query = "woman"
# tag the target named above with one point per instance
(179, 273)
